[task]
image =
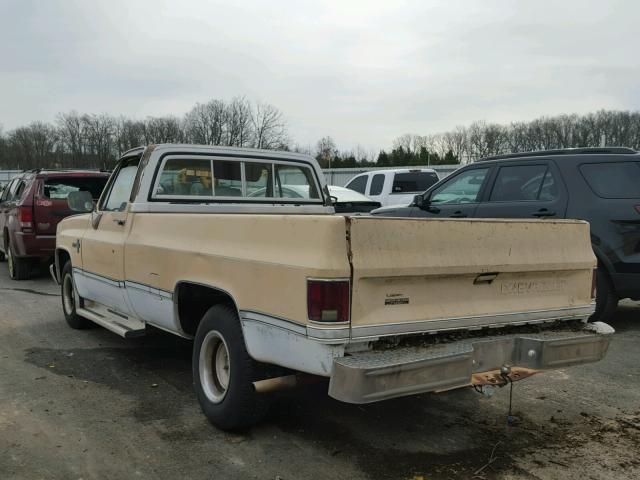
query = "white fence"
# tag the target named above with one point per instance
(340, 176)
(6, 175)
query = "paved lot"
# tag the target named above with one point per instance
(90, 405)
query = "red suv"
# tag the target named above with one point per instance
(31, 206)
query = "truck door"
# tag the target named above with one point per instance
(376, 188)
(527, 190)
(102, 247)
(458, 197)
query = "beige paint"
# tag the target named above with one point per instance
(263, 261)
(70, 230)
(433, 263)
(103, 247)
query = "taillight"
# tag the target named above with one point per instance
(25, 217)
(593, 283)
(328, 300)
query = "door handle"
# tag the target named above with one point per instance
(119, 222)
(543, 212)
(458, 214)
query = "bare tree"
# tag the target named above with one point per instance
(99, 136)
(325, 151)
(239, 126)
(162, 130)
(205, 123)
(269, 130)
(128, 134)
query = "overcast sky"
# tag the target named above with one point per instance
(362, 72)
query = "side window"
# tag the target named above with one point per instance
(16, 189)
(377, 182)
(613, 179)
(122, 186)
(19, 190)
(358, 184)
(518, 183)
(5, 194)
(464, 188)
(295, 182)
(550, 189)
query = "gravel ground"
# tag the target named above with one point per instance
(91, 405)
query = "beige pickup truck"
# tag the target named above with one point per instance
(205, 243)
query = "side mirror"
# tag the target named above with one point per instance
(80, 201)
(420, 202)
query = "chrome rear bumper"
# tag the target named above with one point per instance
(378, 375)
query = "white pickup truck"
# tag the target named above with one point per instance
(205, 243)
(393, 186)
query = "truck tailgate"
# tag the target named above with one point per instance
(417, 275)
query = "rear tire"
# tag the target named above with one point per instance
(223, 372)
(19, 268)
(68, 293)
(606, 297)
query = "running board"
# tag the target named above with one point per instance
(126, 327)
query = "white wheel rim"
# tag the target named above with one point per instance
(214, 366)
(68, 297)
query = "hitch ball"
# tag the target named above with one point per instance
(505, 370)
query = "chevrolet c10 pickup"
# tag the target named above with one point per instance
(206, 243)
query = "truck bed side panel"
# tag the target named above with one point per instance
(262, 261)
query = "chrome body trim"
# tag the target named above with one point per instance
(273, 321)
(275, 208)
(328, 334)
(101, 278)
(444, 324)
(148, 289)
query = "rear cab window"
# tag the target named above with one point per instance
(208, 179)
(413, 182)
(614, 180)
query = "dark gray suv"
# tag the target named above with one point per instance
(600, 185)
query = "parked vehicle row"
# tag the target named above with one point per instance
(31, 206)
(241, 250)
(599, 185)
